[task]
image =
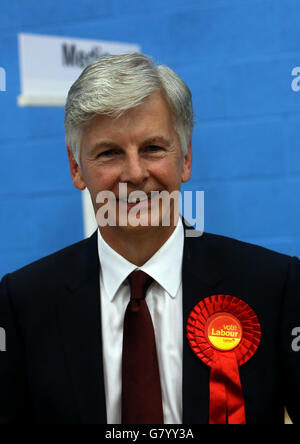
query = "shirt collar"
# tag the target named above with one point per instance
(164, 266)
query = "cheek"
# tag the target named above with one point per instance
(168, 173)
(175, 167)
(101, 178)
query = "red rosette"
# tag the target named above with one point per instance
(224, 350)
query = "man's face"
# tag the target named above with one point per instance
(140, 149)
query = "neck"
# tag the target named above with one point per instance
(137, 245)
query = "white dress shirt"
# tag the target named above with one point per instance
(164, 299)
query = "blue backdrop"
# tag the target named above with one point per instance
(237, 57)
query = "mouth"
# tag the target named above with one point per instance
(143, 201)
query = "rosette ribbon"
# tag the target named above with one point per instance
(224, 332)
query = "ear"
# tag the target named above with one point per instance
(187, 164)
(75, 170)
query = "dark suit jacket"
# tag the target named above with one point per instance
(52, 370)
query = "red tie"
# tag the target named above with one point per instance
(141, 391)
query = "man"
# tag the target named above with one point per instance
(96, 333)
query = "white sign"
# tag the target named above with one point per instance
(49, 65)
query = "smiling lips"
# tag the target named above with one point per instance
(146, 200)
(132, 201)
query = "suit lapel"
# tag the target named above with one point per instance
(80, 323)
(199, 278)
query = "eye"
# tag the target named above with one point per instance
(154, 148)
(107, 153)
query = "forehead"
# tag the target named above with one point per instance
(153, 116)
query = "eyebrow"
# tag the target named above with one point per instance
(156, 139)
(108, 144)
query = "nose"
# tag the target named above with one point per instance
(134, 169)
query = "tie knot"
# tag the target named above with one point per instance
(139, 284)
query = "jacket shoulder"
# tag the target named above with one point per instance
(236, 245)
(228, 253)
(48, 269)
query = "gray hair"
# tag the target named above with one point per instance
(115, 84)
